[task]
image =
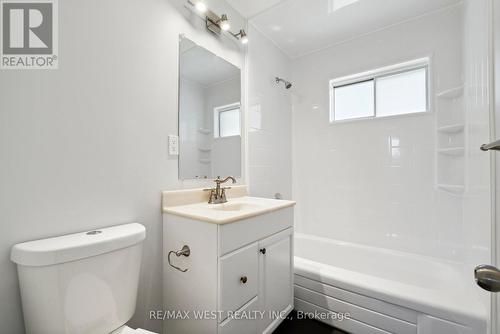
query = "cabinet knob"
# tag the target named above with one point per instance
(263, 250)
(243, 279)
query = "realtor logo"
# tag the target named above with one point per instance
(29, 34)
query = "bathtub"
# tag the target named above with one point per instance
(383, 291)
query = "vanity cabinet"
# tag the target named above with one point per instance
(239, 274)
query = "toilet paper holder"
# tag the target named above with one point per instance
(185, 251)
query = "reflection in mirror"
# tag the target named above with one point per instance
(209, 114)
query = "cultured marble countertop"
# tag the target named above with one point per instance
(237, 208)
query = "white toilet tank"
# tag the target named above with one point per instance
(83, 283)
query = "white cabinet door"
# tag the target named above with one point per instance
(276, 265)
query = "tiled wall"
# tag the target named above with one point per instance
(269, 119)
(373, 181)
(477, 204)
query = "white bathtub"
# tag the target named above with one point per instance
(384, 291)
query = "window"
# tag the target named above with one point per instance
(227, 121)
(354, 100)
(395, 90)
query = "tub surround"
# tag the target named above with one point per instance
(387, 164)
(193, 204)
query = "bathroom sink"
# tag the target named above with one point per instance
(192, 204)
(235, 206)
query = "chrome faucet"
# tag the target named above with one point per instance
(218, 194)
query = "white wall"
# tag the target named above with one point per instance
(373, 181)
(85, 146)
(269, 119)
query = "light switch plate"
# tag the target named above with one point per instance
(173, 145)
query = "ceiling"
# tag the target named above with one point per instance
(201, 66)
(299, 27)
(251, 8)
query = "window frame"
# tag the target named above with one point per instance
(225, 108)
(374, 75)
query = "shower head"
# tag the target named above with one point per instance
(288, 84)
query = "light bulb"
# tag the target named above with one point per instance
(224, 23)
(243, 37)
(201, 7)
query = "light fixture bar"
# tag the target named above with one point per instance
(211, 20)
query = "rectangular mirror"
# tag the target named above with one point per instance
(209, 114)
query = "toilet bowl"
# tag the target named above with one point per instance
(89, 279)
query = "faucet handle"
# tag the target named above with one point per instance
(223, 194)
(212, 197)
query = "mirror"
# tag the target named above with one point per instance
(209, 114)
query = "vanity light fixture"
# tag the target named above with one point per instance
(215, 23)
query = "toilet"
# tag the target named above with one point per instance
(82, 283)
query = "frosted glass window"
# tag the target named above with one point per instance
(354, 101)
(229, 122)
(402, 93)
(390, 91)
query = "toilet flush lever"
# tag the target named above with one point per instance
(185, 251)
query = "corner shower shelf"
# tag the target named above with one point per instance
(452, 188)
(204, 161)
(451, 130)
(452, 93)
(454, 151)
(204, 149)
(455, 128)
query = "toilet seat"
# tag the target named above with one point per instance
(128, 330)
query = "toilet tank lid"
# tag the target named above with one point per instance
(77, 246)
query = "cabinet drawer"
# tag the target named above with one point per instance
(235, 235)
(238, 282)
(245, 320)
